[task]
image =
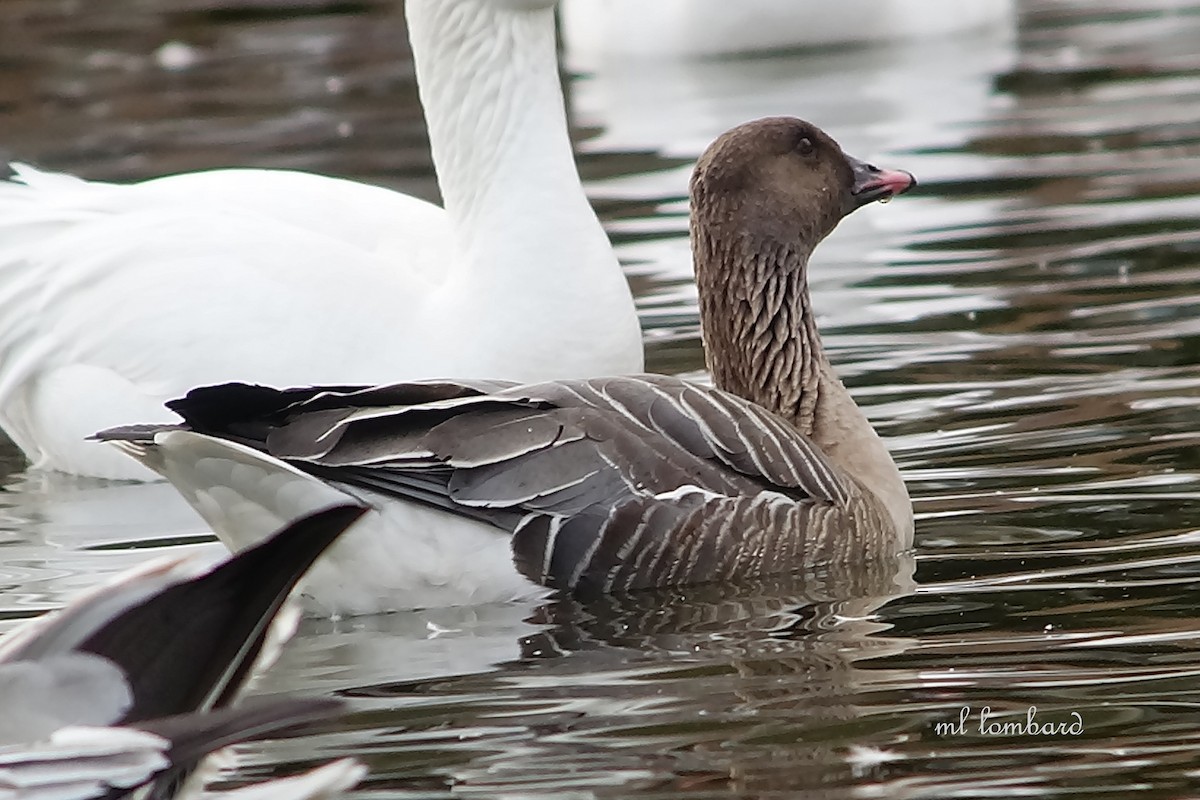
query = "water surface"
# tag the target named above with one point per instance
(1023, 330)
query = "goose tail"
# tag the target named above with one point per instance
(242, 493)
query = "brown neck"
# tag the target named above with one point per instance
(761, 343)
(760, 336)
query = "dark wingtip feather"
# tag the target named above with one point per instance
(214, 407)
(132, 433)
(191, 646)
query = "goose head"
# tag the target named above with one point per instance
(764, 194)
(783, 181)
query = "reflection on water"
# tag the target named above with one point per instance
(1024, 330)
(588, 695)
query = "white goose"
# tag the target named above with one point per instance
(489, 491)
(597, 29)
(119, 297)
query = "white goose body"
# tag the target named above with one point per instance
(119, 297)
(491, 491)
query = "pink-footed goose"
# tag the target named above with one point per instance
(491, 491)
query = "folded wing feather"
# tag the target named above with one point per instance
(607, 483)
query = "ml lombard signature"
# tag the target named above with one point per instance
(989, 725)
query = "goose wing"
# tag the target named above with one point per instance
(126, 688)
(181, 644)
(607, 483)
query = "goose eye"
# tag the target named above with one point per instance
(805, 146)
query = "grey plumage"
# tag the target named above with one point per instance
(604, 484)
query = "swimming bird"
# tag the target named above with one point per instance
(117, 298)
(128, 687)
(597, 29)
(490, 491)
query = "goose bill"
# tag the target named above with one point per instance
(872, 183)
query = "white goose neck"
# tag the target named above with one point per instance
(489, 82)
